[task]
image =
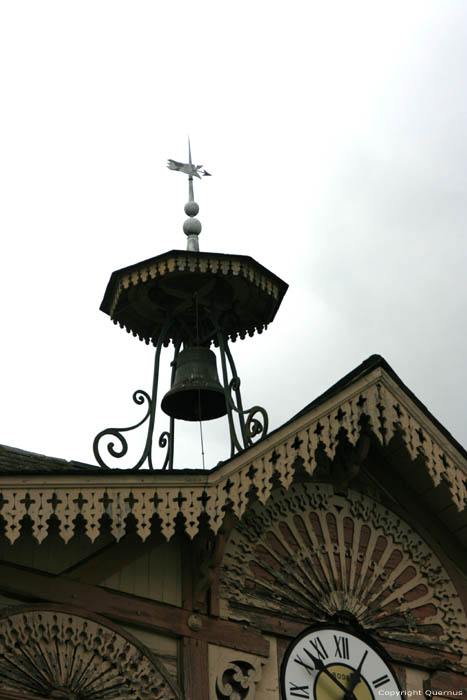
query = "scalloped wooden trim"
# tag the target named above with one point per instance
(170, 494)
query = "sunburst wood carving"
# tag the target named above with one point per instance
(57, 654)
(310, 554)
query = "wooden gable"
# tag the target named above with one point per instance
(354, 510)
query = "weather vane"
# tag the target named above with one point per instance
(192, 226)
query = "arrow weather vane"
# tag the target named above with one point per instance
(192, 226)
(188, 168)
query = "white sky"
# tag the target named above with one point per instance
(336, 135)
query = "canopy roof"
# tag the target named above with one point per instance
(235, 290)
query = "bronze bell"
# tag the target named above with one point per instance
(196, 393)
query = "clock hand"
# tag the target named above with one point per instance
(355, 678)
(321, 667)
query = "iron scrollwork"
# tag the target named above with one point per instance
(250, 425)
(140, 397)
(166, 439)
(254, 426)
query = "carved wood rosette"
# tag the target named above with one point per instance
(312, 555)
(238, 681)
(51, 653)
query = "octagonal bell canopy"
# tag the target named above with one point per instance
(193, 299)
(193, 290)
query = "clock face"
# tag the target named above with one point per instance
(330, 663)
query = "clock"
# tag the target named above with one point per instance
(332, 663)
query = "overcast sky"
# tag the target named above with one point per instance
(336, 134)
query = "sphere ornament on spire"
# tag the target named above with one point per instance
(192, 227)
(191, 208)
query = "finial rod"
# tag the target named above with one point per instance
(192, 226)
(191, 197)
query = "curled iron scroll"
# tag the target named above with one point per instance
(139, 397)
(253, 426)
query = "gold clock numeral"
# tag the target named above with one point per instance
(342, 647)
(382, 680)
(317, 645)
(299, 691)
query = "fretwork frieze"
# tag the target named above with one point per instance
(268, 464)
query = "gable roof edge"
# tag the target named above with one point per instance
(374, 394)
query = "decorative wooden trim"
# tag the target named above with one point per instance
(237, 676)
(375, 401)
(315, 555)
(150, 614)
(179, 261)
(53, 652)
(238, 680)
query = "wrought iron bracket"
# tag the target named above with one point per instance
(166, 439)
(249, 425)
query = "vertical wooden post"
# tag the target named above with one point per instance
(194, 652)
(187, 574)
(195, 669)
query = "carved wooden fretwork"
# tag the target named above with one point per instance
(57, 654)
(208, 264)
(238, 681)
(375, 402)
(312, 555)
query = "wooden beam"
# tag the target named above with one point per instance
(272, 624)
(418, 656)
(405, 653)
(29, 584)
(453, 683)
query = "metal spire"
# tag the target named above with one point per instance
(191, 197)
(192, 226)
